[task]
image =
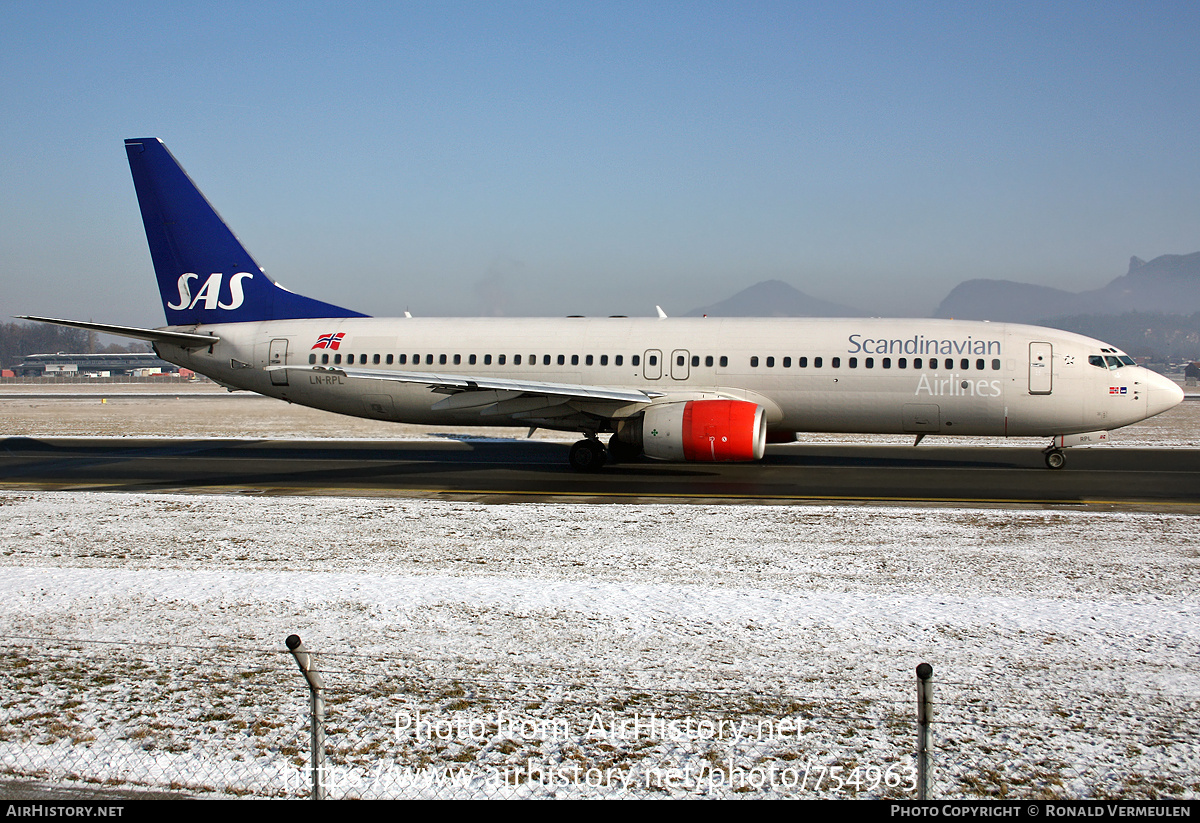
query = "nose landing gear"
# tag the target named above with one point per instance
(1055, 459)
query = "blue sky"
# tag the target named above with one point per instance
(601, 158)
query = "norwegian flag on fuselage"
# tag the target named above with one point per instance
(329, 341)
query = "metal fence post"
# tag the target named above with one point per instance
(316, 688)
(924, 729)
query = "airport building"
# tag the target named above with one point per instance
(137, 364)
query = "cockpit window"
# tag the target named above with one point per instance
(1096, 360)
(1113, 362)
(1127, 360)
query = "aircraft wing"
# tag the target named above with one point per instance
(529, 401)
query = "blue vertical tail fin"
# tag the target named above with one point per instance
(204, 273)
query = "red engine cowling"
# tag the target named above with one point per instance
(708, 431)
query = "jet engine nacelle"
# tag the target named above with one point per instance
(707, 431)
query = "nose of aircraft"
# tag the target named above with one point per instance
(1161, 394)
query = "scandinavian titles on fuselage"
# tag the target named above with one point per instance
(920, 344)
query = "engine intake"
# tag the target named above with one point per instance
(709, 431)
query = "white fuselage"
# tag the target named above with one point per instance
(828, 375)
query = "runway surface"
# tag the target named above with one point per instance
(514, 470)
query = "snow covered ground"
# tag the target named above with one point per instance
(144, 638)
(143, 634)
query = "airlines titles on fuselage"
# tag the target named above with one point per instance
(954, 386)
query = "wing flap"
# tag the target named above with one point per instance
(457, 384)
(481, 399)
(522, 403)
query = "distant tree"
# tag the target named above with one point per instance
(20, 339)
(117, 348)
(1160, 337)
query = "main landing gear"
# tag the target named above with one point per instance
(591, 455)
(588, 455)
(1055, 459)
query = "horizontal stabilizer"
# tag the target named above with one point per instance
(182, 339)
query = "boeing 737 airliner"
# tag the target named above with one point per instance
(676, 389)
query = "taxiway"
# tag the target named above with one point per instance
(509, 470)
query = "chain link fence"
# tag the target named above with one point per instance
(235, 722)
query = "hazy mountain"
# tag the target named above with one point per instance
(1014, 302)
(1168, 284)
(774, 298)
